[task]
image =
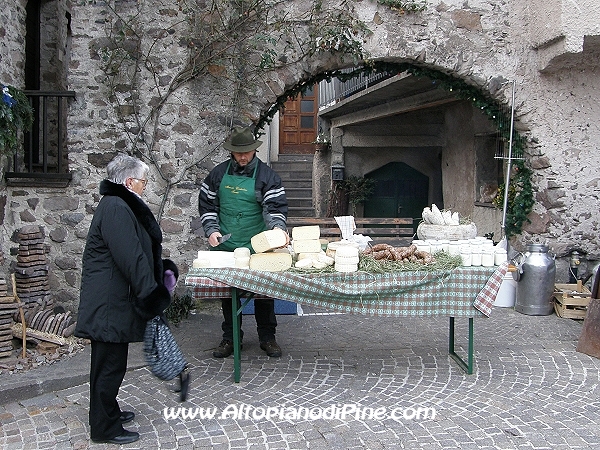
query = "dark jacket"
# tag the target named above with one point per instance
(269, 193)
(122, 277)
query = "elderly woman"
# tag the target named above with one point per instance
(124, 283)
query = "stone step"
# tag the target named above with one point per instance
(300, 202)
(301, 212)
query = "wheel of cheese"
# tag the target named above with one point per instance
(241, 252)
(346, 267)
(339, 259)
(271, 261)
(346, 251)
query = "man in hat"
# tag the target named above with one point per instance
(243, 196)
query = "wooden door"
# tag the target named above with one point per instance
(400, 191)
(298, 123)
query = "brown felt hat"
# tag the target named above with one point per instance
(241, 140)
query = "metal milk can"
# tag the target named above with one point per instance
(535, 286)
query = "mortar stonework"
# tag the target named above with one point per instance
(485, 43)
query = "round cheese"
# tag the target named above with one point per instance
(339, 259)
(346, 251)
(346, 267)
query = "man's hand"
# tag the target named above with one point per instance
(213, 239)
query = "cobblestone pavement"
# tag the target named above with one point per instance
(360, 380)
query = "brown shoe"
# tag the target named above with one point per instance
(273, 350)
(224, 349)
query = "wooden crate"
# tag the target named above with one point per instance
(571, 300)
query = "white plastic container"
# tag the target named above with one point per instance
(487, 256)
(454, 248)
(445, 243)
(507, 293)
(475, 256)
(499, 256)
(465, 254)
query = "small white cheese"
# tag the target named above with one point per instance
(305, 263)
(326, 259)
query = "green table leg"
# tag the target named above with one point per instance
(468, 366)
(237, 319)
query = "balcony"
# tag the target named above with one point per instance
(43, 159)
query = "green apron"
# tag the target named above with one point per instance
(240, 214)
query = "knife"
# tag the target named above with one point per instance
(223, 238)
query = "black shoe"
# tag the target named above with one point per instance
(127, 416)
(184, 385)
(224, 349)
(126, 437)
(273, 350)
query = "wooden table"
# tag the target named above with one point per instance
(463, 292)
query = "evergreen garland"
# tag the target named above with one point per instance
(522, 205)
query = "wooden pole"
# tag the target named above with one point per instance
(23, 324)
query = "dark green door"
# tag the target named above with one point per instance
(400, 191)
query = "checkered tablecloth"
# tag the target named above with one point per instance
(462, 292)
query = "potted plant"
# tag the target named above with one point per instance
(321, 142)
(15, 114)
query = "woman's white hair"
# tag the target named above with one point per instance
(124, 166)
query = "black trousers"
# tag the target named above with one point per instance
(264, 313)
(107, 370)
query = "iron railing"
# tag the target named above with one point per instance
(331, 92)
(44, 155)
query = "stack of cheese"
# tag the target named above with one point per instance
(346, 258)
(269, 255)
(241, 256)
(306, 239)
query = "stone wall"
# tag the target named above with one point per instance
(483, 42)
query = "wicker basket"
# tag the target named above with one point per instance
(450, 232)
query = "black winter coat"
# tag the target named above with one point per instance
(122, 276)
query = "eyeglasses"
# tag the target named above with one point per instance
(144, 182)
